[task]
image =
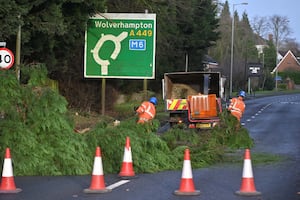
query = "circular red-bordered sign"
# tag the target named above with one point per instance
(7, 58)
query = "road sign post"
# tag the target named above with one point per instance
(254, 70)
(6, 58)
(120, 45)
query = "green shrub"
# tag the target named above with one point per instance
(35, 126)
(282, 86)
(231, 134)
(295, 76)
(149, 152)
(269, 83)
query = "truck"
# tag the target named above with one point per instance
(193, 99)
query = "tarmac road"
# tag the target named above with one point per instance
(274, 124)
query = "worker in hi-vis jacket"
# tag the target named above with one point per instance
(237, 105)
(146, 111)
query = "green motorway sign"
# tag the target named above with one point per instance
(120, 45)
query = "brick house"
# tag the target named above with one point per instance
(289, 62)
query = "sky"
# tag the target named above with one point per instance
(268, 8)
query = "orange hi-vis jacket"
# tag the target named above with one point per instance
(237, 107)
(146, 112)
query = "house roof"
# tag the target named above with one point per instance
(209, 60)
(285, 61)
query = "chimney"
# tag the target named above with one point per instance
(270, 37)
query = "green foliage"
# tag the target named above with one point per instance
(270, 56)
(52, 31)
(269, 83)
(281, 86)
(295, 76)
(149, 152)
(10, 20)
(244, 45)
(37, 73)
(199, 30)
(266, 158)
(203, 148)
(35, 126)
(231, 134)
(207, 147)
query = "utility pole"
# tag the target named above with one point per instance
(18, 51)
(276, 72)
(232, 41)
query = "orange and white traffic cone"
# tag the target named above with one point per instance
(97, 182)
(8, 183)
(127, 165)
(247, 186)
(187, 184)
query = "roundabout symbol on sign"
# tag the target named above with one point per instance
(6, 58)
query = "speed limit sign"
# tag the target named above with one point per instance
(6, 58)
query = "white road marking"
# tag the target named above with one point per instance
(117, 184)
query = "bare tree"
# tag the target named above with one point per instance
(291, 44)
(259, 26)
(279, 27)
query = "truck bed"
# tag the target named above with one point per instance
(182, 84)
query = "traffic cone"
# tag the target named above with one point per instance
(247, 186)
(187, 184)
(97, 182)
(127, 165)
(8, 183)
